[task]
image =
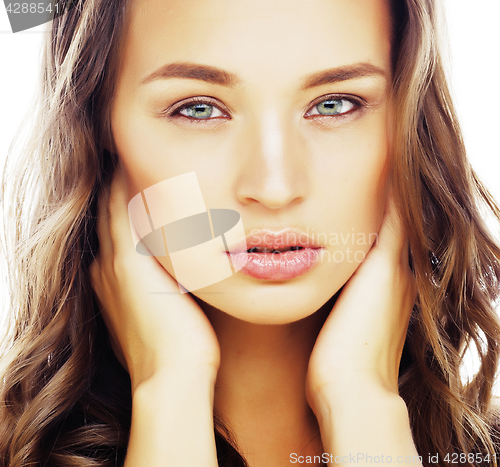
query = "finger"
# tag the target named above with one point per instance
(119, 223)
(392, 238)
(105, 243)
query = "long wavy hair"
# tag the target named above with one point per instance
(64, 398)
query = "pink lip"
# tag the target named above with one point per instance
(275, 266)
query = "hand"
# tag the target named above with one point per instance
(149, 332)
(361, 341)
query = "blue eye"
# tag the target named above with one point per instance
(203, 108)
(198, 109)
(332, 107)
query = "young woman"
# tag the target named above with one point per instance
(366, 271)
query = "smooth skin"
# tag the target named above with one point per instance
(265, 152)
(173, 356)
(286, 372)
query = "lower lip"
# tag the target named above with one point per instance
(276, 266)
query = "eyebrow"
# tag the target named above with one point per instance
(221, 77)
(343, 73)
(188, 70)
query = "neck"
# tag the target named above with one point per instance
(260, 387)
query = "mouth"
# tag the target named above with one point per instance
(276, 256)
(275, 251)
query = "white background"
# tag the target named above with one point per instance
(474, 34)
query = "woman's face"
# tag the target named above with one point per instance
(281, 109)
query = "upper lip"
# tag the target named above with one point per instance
(273, 240)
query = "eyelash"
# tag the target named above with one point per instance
(357, 102)
(175, 112)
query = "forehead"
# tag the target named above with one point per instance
(255, 38)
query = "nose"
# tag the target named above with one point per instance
(272, 167)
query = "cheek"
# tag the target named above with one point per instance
(139, 154)
(145, 150)
(149, 155)
(356, 193)
(151, 151)
(355, 180)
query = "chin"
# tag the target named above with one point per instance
(260, 302)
